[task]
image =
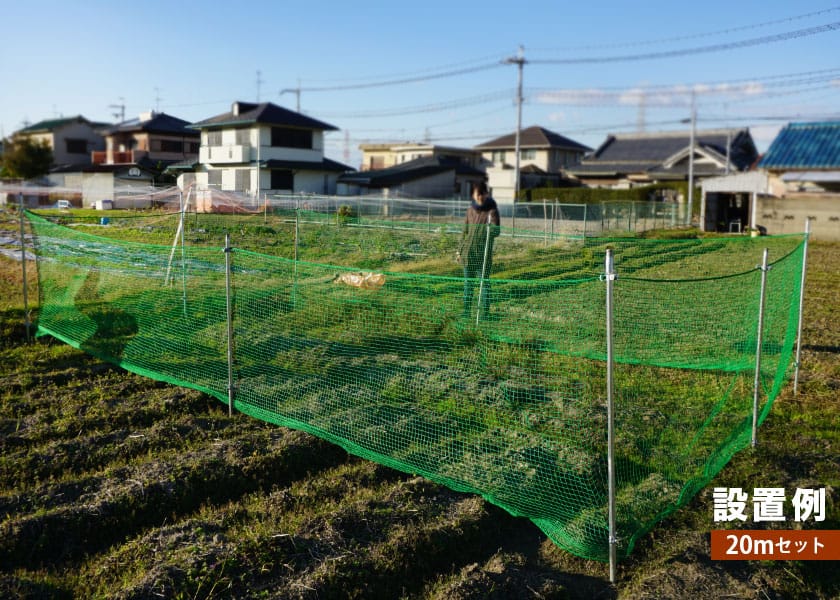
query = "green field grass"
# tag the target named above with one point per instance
(117, 486)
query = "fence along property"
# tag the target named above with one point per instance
(515, 407)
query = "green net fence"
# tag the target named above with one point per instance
(360, 335)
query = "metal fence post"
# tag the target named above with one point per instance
(295, 274)
(584, 222)
(801, 307)
(23, 266)
(759, 334)
(229, 307)
(481, 290)
(610, 277)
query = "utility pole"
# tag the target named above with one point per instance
(519, 61)
(688, 208)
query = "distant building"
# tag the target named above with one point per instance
(423, 177)
(544, 158)
(631, 159)
(153, 140)
(384, 156)
(71, 139)
(804, 157)
(258, 149)
(797, 179)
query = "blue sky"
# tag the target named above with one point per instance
(589, 64)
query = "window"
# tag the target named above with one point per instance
(529, 154)
(167, 146)
(498, 157)
(243, 180)
(243, 137)
(76, 146)
(194, 147)
(214, 179)
(286, 137)
(214, 138)
(282, 179)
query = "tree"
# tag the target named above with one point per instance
(25, 159)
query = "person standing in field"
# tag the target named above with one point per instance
(475, 252)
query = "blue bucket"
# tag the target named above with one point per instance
(104, 220)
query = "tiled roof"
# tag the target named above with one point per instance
(325, 165)
(247, 113)
(425, 166)
(534, 137)
(649, 153)
(657, 147)
(158, 123)
(805, 146)
(52, 124)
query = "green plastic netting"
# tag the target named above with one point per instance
(378, 357)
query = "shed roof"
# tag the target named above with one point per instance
(411, 170)
(325, 164)
(810, 146)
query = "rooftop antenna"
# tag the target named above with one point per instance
(157, 99)
(346, 146)
(295, 91)
(120, 114)
(259, 84)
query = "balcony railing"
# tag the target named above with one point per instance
(225, 154)
(126, 157)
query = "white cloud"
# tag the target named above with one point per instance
(676, 95)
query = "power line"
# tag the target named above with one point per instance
(769, 39)
(425, 108)
(417, 72)
(461, 68)
(403, 80)
(682, 38)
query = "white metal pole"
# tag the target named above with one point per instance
(801, 307)
(483, 268)
(759, 340)
(609, 272)
(182, 226)
(229, 308)
(688, 208)
(23, 267)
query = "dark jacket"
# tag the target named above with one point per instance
(474, 238)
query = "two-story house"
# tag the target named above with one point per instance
(544, 156)
(72, 139)
(258, 149)
(153, 140)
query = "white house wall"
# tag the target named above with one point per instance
(97, 187)
(501, 184)
(441, 185)
(314, 182)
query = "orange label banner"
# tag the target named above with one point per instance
(780, 544)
